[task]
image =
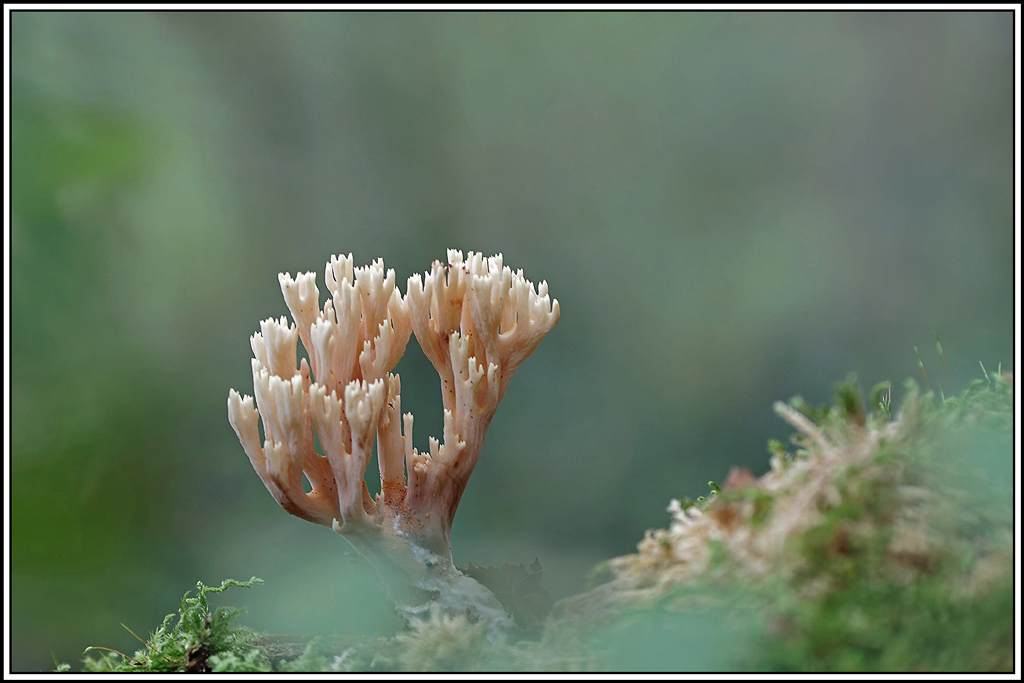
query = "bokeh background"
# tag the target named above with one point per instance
(731, 208)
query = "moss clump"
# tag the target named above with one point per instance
(200, 641)
(876, 545)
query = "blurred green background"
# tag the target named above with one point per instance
(730, 209)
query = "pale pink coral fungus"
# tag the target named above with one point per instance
(476, 321)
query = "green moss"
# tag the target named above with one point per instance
(906, 564)
(199, 641)
(916, 613)
(874, 625)
(849, 401)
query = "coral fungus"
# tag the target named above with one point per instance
(475, 319)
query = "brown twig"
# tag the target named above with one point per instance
(146, 643)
